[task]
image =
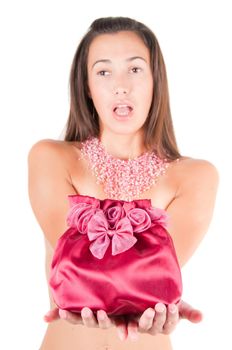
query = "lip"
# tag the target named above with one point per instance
(122, 103)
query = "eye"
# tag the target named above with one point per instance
(102, 73)
(136, 69)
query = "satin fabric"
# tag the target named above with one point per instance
(125, 283)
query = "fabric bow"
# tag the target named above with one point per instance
(99, 232)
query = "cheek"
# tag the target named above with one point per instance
(145, 93)
(100, 101)
(98, 90)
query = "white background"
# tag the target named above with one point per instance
(37, 43)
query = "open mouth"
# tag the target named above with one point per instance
(122, 110)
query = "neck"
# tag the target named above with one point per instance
(123, 146)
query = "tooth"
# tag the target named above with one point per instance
(122, 110)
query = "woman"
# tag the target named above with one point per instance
(120, 105)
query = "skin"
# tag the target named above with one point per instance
(151, 321)
(116, 78)
(118, 69)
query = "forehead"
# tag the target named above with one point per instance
(121, 45)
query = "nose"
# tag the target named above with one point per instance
(121, 86)
(120, 91)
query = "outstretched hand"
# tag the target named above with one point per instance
(161, 319)
(86, 317)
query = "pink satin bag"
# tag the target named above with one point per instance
(116, 255)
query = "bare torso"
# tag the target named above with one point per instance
(79, 336)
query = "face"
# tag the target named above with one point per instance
(120, 81)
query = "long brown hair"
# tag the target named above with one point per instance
(83, 120)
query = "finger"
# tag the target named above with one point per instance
(196, 316)
(159, 319)
(132, 329)
(52, 315)
(146, 320)
(71, 317)
(121, 325)
(172, 319)
(186, 311)
(103, 319)
(88, 317)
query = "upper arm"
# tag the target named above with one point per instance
(192, 209)
(48, 186)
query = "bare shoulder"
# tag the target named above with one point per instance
(55, 151)
(189, 171)
(49, 184)
(195, 163)
(192, 208)
(50, 145)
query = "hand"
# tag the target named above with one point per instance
(87, 318)
(154, 321)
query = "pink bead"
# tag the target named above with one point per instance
(122, 179)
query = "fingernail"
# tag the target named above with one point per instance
(150, 313)
(172, 309)
(86, 313)
(100, 315)
(63, 314)
(160, 307)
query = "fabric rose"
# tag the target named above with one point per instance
(79, 216)
(114, 211)
(158, 216)
(139, 218)
(114, 215)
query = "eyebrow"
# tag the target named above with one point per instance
(128, 60)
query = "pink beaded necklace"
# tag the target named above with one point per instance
(122, 179)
